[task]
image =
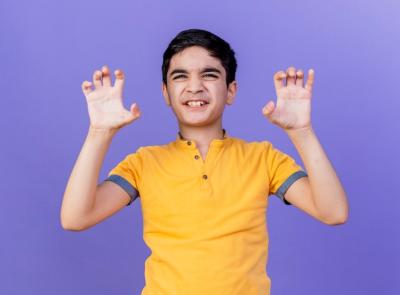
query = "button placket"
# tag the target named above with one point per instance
(213, 156)
(196, 158)
(205, 181)
(206, 165)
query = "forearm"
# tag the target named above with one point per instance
(327, 192)
(80, 191)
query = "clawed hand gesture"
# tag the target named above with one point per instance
(293, 108)
(105, 105)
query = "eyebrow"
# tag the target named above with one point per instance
(205, 70)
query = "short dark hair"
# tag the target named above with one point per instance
(216, 46)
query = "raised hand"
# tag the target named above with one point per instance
(293, 108)
(105, 105)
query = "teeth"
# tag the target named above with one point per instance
(196, 103)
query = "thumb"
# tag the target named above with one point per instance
(268, 108)
(135, 111)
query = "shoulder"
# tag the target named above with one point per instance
(239, 143)
(249, 151)
(153, 150)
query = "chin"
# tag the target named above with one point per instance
(195, 124)
(196, 120)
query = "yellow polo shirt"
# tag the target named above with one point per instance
(204, 220)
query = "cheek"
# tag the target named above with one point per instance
(175, 95)
(220, 93)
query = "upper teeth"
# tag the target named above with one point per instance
(196, 103)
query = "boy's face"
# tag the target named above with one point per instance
(194, 75)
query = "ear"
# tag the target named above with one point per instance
(232, 89)
(165, 94)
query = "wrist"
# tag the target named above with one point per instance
(300, 132)
(101, 132)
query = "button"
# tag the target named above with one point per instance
(196, 157)
(189, 143)
(205, 176)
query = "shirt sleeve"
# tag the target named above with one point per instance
(283, 171)
(127, 175)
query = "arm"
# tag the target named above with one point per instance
(85, 203)
(322, 188)
(320, 194)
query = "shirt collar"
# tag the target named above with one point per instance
(191, 144)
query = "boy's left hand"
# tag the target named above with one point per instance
(293, 108)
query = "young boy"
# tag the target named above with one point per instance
(204, 195)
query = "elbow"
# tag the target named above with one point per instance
(70, 226)
(70, 221)
(337, 216)
(337, 220)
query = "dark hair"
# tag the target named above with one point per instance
(216, 46)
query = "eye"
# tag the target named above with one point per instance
(210, 76)
(178, 77)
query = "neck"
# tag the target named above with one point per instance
(202, 135)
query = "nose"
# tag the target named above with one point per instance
(194, 85)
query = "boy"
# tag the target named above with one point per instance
(204, 195)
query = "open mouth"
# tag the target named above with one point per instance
(196, 104)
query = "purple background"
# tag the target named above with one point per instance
(47, 48)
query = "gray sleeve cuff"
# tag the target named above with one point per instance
(122, 182)
(280, 193)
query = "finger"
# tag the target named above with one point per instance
(279, 78)
(299, 78)
(291, 76)
(97, 79)
(310, 80)
(106, 76)
(87, 87)
(119, 78)
(268, 108)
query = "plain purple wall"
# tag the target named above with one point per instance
(47, 48)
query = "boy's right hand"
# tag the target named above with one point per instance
(105, 106)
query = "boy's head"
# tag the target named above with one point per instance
(200, 67)
(216, 46)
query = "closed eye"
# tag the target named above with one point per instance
(178, 76)
(211, 75)
(205, 75)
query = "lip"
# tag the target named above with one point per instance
(196, 99)
(196, 109)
